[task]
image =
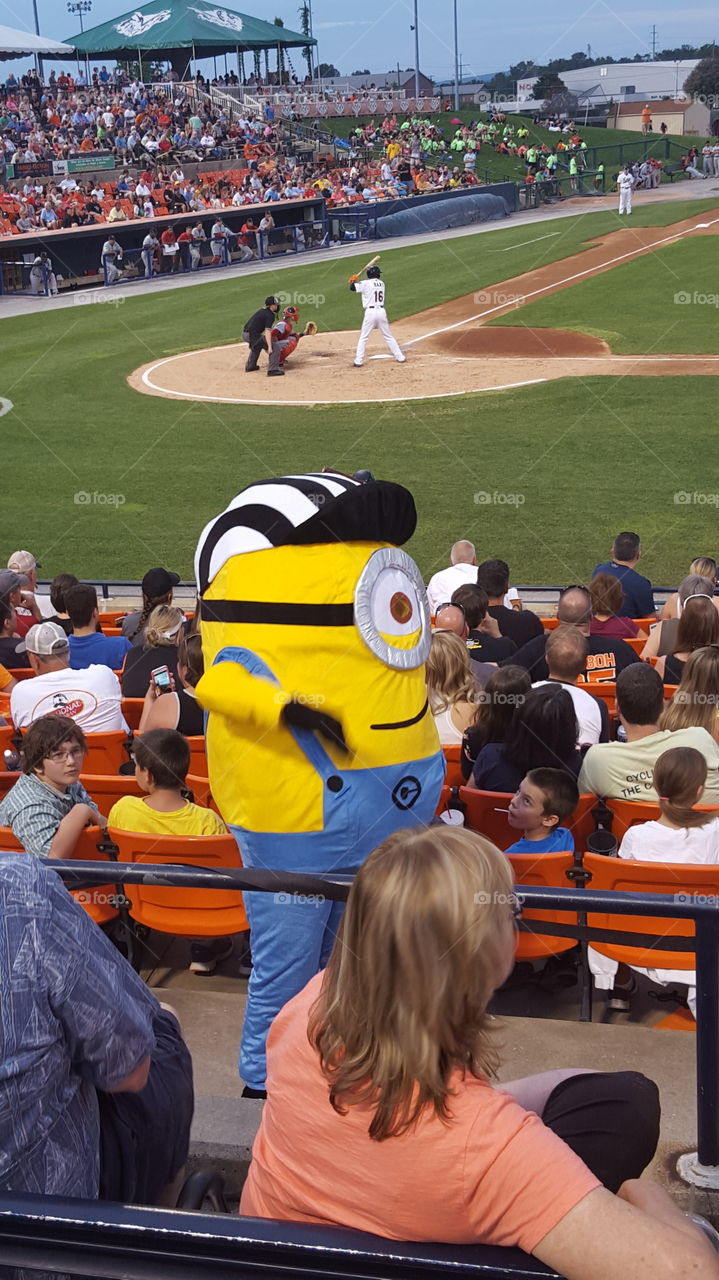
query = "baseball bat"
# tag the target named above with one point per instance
(368, 265)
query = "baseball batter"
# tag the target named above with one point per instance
(625, 183)
(372, 292)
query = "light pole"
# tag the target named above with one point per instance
(311, 33)
(78, 7)
(416, 52)
(456, 60)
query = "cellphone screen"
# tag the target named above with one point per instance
(161, 678)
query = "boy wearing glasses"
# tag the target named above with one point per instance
(48, 807)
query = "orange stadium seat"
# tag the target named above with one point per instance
(630, 813)
(99, 903)
(622, 876)
(453, 773)
(188, 913)
(549, 869)
(106, 788)
(132, 711)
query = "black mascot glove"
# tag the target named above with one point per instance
(298, 715)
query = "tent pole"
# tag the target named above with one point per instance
(193, 54)
(139, 54)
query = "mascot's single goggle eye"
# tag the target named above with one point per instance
(391, 610)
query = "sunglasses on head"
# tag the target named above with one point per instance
(450, 604)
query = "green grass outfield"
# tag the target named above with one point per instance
(501, 168)
(587, 458)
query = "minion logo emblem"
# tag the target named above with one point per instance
(407, 792)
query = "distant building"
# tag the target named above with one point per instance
(471, 92)
(629, 81)
(679, 117)
(397, 79)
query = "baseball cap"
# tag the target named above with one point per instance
(46, 639)
(158, 582)
(10, 581)
(23, 562)
(272, 302)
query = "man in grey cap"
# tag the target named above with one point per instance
(92, 697)
(258, 332)
(24, 563)
(13, 593)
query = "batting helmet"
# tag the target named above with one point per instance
(373, 273)
(291, 313)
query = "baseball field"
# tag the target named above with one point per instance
(602, 331)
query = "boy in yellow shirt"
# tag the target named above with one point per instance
(162, 759)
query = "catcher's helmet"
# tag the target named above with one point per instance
(373, 273)
(291, 313)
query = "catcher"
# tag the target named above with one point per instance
(284, 340)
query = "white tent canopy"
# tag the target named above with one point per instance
(16, 44)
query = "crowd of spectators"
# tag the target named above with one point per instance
(150, 133)
(514, 695)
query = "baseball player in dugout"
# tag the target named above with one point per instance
(372, 292)
(284, 340)
(258, 330)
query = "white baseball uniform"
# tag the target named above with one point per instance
(625, 182)
(372, 293)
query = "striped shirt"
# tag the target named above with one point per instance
(35, 810)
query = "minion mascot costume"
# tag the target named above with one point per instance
(320, 743)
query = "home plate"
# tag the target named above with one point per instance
(387, 357)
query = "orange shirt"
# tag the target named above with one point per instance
(5, 677)
(505, 1178)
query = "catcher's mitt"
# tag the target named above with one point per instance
(309, 329)
(352, 279)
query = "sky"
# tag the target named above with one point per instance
(377, 34)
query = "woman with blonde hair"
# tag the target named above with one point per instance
(696, 701)
(381, 1114)
(698, 627)
(163, 632)
(451, 687)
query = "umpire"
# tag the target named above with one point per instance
(257, 330)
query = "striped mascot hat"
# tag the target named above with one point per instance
(301, 510)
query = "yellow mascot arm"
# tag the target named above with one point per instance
(230, 690)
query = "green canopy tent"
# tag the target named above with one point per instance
(177, 30)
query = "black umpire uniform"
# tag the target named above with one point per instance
(255, 329)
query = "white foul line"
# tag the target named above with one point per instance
(5, 406)
(525, 242)
(551, 288)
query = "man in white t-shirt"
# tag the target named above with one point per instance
(461, 570)
(623, 770)
(566, 655)
(92, 697)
